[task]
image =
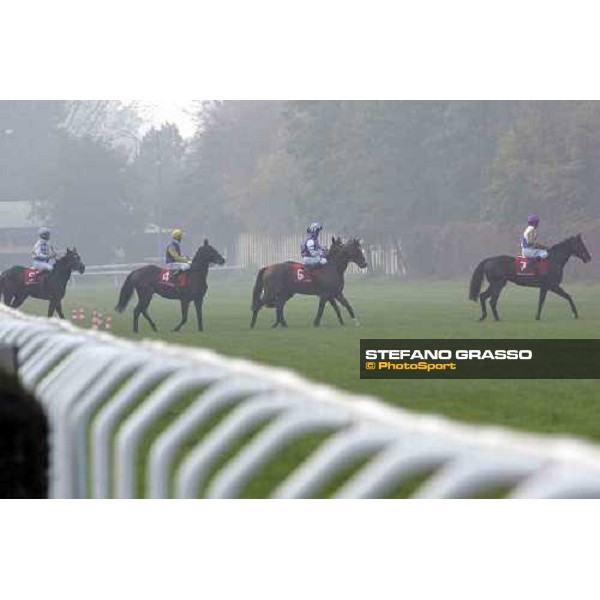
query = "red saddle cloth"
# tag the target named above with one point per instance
(167, 277)
(31, 276)
(301, 273)
(530, 267)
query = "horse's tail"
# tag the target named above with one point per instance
(126, 293)
(476, 281)
(258, 288)
(3, 278)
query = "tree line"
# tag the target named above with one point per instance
(381, 170)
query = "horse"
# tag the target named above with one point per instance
(149, 280)
(501, 269)
(19, 283)
(276, 284)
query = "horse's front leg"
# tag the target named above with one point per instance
(185, 306)
(560, 292)
(349, 308)
(542, 299)
(51, 308)
(59, 309)
(198, 305)
(322, 301)
(336, 308)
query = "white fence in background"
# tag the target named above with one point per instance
(157, 420)
(254, 250)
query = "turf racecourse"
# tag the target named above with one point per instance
(388, 309)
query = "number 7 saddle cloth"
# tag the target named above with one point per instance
(530, 267)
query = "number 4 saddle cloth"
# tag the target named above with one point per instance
(530, 267)
(172, 278)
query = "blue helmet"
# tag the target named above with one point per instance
(533, 220)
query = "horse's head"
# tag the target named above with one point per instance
(206, 254)
(336, 246)
(353, 251)
(579, 249)
(72, 260)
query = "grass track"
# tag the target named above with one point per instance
(390, 309)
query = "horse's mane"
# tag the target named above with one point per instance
(564, 242)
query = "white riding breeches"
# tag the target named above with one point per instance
(43, 266)
(534, 253)
(314, 260)
(178, 266)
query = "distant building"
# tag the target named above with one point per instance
(18, 231)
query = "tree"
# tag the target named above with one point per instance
(86, 198)
(29, 138)
(156, 175)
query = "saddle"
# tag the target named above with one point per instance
(530, 267)
(33, 276)
(302, 273)
(169, 278)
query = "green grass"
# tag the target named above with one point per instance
(389, 309)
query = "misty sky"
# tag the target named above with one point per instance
(173, 111)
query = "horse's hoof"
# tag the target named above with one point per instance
(356, 322)
(481, 319)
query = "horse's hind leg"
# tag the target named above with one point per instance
(17, 300)
(141, 309)
(254, 317)
(482, 299)
(280, 319)
(322, 302)
(496, 289)
(147, 316)
(560, 292)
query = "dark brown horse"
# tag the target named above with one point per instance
(49, 286)
(277, 283)
(146, 282)
(501, 269)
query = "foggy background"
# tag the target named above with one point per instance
(434, 186)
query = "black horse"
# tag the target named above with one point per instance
(52, 286)
(277, 283)
(146, 281)
(501, 269)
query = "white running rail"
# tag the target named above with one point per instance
(150, 419)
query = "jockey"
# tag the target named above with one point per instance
(530, 248)
(174, 258)
(43, 253)
(311, 250)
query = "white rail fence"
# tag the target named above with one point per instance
(155, 420)
(254, 250)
